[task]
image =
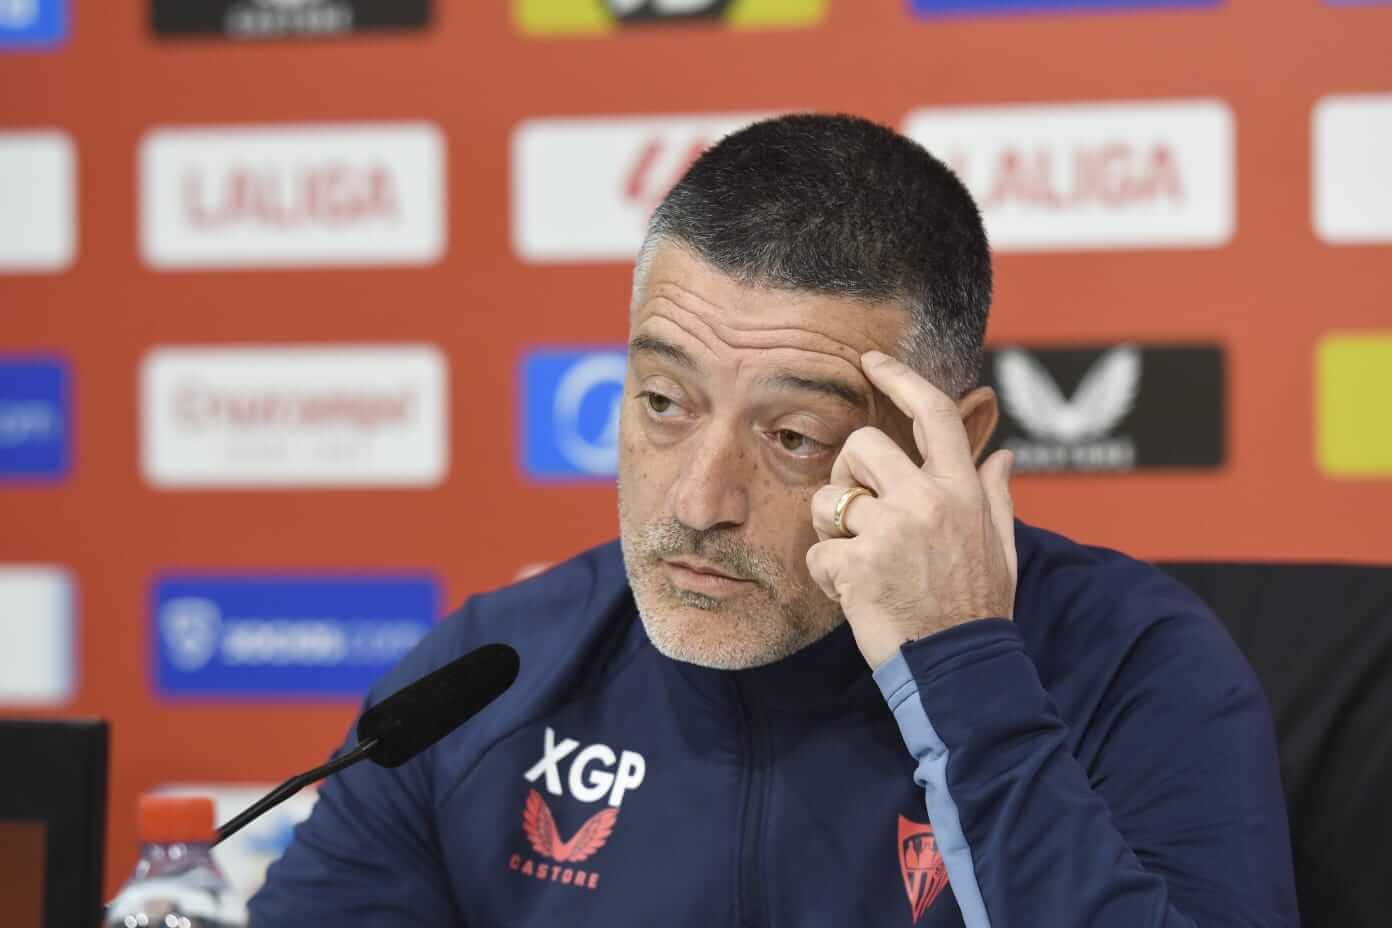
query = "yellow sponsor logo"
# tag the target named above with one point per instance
(1353, 407)
(591, 16)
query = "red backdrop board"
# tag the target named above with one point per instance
(1202, 233)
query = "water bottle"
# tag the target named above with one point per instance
(176, 884)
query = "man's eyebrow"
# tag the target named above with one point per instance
(651, 344)
(826, 386)
(783, 380)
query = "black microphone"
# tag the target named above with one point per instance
(407, 722)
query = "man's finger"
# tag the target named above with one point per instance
(870, 458)
(995, 481)
(937, 426)
(825, 561)
(858, 517)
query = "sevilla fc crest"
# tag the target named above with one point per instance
(921, 863)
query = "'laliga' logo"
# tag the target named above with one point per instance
(192, 629)
(598, 454)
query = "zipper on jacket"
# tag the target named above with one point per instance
(749, 907)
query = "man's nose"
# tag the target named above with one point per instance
(712, 490)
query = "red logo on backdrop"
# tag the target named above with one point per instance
(658, 167)
(921, 863)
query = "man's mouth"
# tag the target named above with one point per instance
(700, 576)
(696, 565)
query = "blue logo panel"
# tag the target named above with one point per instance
(570, 413)
(35, 417)
(284, 636)
(32, 24)
(957, 7)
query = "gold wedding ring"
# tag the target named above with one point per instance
(839, 517)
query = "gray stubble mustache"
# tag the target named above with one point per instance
(670, 538)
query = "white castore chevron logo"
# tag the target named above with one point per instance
(1103, 398)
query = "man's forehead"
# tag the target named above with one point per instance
(683, 292)
(701, 348)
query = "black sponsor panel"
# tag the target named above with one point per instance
(1109, 408)
(273, 19)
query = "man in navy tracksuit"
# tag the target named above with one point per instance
(825, 678)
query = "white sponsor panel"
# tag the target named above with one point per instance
(286, 196)
(36, 626)
(1352, 163)
(1091, 176)
(38, 202)
(303, 416)
(245, 856)
(583, 189)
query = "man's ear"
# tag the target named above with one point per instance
(980, 412)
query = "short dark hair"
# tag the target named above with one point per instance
(840, 205)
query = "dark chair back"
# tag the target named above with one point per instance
(1320, 639)
(52, 820)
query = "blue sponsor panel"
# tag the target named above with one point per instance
(275, 636)
(32, 24)
(960, 7)
(35, 417)
(570, 413)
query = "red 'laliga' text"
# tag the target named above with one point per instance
(322, 195)
(1112, 175)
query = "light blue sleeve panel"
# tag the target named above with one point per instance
(896, 683)
(1173, 820)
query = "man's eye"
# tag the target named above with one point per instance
(657, 402)
(797, 443)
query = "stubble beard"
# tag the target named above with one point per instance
(776, 619)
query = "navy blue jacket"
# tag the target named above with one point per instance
(1105, 759)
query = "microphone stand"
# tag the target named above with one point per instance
(292, 786)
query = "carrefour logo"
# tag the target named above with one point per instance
(282, 636)
(951, 7)
(570, 413)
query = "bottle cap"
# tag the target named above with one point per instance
(176, 820)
